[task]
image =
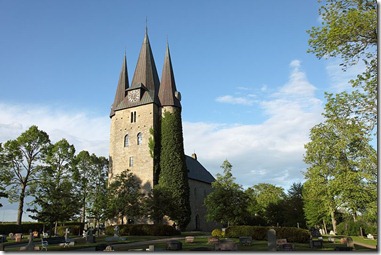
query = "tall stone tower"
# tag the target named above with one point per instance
(135, 111)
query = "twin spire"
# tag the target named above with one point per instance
(146, 80)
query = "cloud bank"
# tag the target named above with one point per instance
(270, 152)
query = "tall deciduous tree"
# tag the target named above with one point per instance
(55, 196)
(261, 196)
(227, 202)
(85, 175)
(349, 31)
(173, 170)
(21, 164)
(125, 198)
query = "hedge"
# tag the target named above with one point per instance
(292, 234)
(24, 228)
(143, 230)
(6, 228)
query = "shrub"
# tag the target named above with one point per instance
(24, 228)
(143, 230)
(217, 232)
(292, 234)
(349, 228)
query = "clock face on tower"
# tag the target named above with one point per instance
(133, 95)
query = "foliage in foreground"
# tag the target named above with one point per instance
(292, 234)
(143, 230)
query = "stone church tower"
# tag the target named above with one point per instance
(135, 113)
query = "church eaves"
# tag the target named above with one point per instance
(145, 71)
(167, 91)
(122, 87)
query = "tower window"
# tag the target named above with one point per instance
(126, 141)
(133, 117)
(140, 138)
(131, 161)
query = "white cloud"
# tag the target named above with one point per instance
(235, 100)
(268, 152)
(84, 131)
(339, 79)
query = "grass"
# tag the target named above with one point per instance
(200, 242)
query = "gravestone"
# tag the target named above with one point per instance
(174, 245)
(225, 245)
(350, 243)
(271, 240)
(90, 238)
(116, 231)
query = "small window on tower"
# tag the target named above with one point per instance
(126, 141)
(140, 138)
(131, 162)
(133, 117)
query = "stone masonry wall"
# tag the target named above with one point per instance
(121, 125)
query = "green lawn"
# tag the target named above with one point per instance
(201, 243)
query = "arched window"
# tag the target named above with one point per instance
(126, 141)
(140, 138)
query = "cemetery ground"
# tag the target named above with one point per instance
(200, 243)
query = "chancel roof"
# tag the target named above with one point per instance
(197, 172)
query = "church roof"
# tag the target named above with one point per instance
(168, 85)
(197, 172)
(122, 87)
(145, 71)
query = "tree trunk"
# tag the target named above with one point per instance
(333, 221)
(325, 227)
(21, 205)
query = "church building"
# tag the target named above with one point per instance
(136, 111)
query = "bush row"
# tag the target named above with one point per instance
(5, 229)
(143, 230)
(292, 234)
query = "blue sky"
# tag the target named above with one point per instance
(250, 91)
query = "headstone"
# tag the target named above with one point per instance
(90, 237)
(18, 237)
(225, 245)
(109, 248)
(213, 240)
(271, 240)
(151, 247)
(189, 239)
(370, 236)
(245, 240)
(332, 233)
(174, 245)
(350, 243)
(116, 230)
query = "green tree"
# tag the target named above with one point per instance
(55, 199)
(293, 207)
(85, 176)
(261, 196)
(173, 169)
(21, 163)
(227, 202)
(98, 207)
(156, 204)
(339, 152)
(125, 198)
(349, 31)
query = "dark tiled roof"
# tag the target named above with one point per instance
(168, 86)
(145, 71)
(197, 172)
(122, 87)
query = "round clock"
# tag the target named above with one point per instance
(133, 95)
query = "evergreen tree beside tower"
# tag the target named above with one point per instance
(146, 132)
